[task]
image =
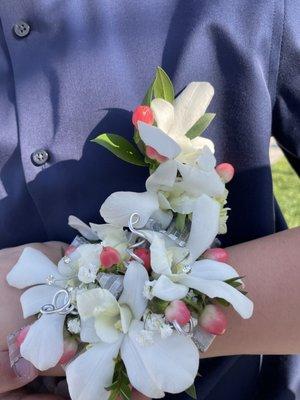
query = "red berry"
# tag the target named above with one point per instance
(144, 255)
(22, 335)
(70, 349)
(213, 320)
(225, 171)
(217, 254)
(144, 114)
(109, 257)
(69, 250)
(154, 155)
(178, 311)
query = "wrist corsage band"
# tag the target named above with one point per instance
(135, 299)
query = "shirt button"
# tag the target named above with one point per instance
(21, 29)
(39, 157)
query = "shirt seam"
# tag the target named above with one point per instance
(275, 57)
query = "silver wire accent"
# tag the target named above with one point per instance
(133, 220)
(55, 308)
(182, 331)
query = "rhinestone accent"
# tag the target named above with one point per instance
(50, 280)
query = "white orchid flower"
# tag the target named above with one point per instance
(166, 192)
(43, 345)
(205, 276)
(82, 263)
(119, 206)
(119, 329)
(174, 121)
(109, 234)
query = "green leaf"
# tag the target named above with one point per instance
(162, 86)
(125, 392)
(180, 222)
(234, 282)
(199, 127)
(120, 147)
(114, 394)
(222, 302)
(191, 391)
(149, 95)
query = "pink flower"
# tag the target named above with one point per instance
(144, 255)
(225, 171)
(70, 349)
(69, 250)
(213, 320)
(144, 114)
(178, 311)
(217, 254)
(109, 257)
(154, 155)
(22, 335)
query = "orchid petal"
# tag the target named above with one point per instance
(88, 332)
(206, 159)
(134, 281)
(96, 299)
(153, 375)
(163, 178)
(32, 268)
(219, 289)
(163, 201)
(195, 181)
(160, 262)
(182, 204)
(113, 233)
(210, 269)
(159, 140)
(91, 373)
(119, 206)
(167, 290)
(82, 228)
(205, 226)
(191, 105)
(43, 344)
(201, 142)
(35, 297)
(162, 218)
(105, 326)
(125, 317)
(163, 113)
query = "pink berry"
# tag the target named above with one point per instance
(144, 255)
(109, 257)
(69, 250)
(216, 254)
(178, 311)
(70, 349)
(213, 320)
(144, 114)
(154, 155)
(22, 335)
(225, 171)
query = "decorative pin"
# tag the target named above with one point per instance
(63, 297)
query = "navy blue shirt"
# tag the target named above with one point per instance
(81, 67)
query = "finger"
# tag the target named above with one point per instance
(21, 395)
(55, 371)
(138, 396)
(10, 379)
